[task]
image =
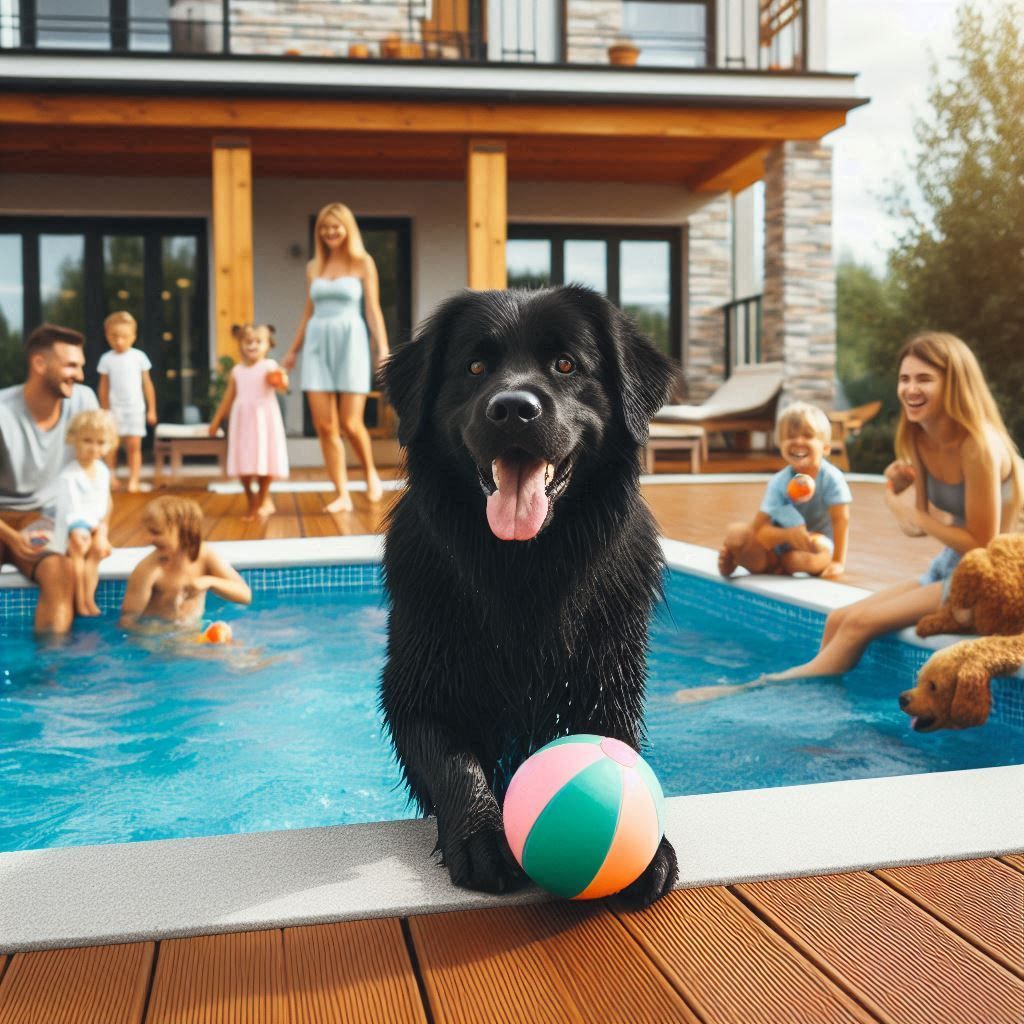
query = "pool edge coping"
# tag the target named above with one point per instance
(181, 887)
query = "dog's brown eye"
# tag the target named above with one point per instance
(932, 687)
(563, 364)
(477, 368)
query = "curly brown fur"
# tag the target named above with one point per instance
(497, 646)
(953, 686)
(986, 593)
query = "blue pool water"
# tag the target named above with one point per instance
(109, 739)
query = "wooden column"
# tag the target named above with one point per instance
(486, 213)
(232, 238)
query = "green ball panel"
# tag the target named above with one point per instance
(571, 836)
(578, 737)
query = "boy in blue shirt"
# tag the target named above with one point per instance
(787, 536)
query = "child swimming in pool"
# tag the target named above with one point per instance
(170, 583)
(788, 536)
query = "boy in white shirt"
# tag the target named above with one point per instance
(83, 504)
(126, 389)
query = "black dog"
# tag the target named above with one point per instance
(521, 562)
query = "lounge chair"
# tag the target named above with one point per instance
(747, 401)
(846, 424)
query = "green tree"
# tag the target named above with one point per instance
(959, 265)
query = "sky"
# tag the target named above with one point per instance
(890, 43)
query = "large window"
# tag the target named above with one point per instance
(105, 24)
(75, 272)
(671, 33)
(639, 269)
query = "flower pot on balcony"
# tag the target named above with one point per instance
(623, 54)
(358, 51)
(196, 26)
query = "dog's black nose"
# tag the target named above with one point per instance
(512, 408)
(904, 699)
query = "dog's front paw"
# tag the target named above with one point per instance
(659, 878)
(483, 861)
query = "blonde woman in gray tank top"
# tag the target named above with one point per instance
(954, 450)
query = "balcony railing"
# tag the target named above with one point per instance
(742, 332)
(721, 34)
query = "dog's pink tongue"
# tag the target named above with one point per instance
(518, 507)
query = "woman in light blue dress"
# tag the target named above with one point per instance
(343, 340)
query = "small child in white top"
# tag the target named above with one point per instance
(126, 389)
(83, 504)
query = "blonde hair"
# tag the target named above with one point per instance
(98, 420)
(353, 239)
(966, 399)
(121, 316)
(182, 513)
(806, 416)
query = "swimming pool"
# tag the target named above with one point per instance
(111, 739)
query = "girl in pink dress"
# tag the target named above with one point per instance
(257, 450)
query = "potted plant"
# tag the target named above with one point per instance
(623, 52)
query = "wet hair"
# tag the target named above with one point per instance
(353, 239)
(806, 416)
(44, 337)
(97, 420)
(182, 513)
(966, 399)
(121, 316)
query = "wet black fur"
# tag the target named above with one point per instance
(497, 647)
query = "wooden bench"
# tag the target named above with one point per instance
(173, 441)
(685, 437)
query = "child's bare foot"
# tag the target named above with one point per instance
(133, 487)
(268, 508)
(342, 503)
(726, 561)
(374, 488)
(115, 484)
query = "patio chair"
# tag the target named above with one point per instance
(846, 423)
(746, 402)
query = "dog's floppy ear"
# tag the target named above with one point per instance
(972, 698)
(412, 375)
(643, 374)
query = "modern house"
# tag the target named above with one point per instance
(168, 156)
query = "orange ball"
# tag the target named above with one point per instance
(277, 379)
(801, 488)
(217, 633)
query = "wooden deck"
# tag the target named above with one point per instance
(916, 945)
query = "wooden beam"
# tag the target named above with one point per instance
(232, 238)
(469, 119)
(742, 165)
(486, 213)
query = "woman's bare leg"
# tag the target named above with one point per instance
(351, 410)
(323, 407)
(880, 613)
(133, 449)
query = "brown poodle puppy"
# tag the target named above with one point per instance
(952, 690)
(986, 593)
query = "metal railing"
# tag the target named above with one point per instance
(731, 34)
(742, 332)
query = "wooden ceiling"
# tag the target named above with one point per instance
(699, 148)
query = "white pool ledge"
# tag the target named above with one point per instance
(155, 890)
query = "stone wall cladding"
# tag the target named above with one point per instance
(321, 28)
(591, 27)
(709, 271)
(799, 305)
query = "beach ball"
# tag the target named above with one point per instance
(801, 488)
(217, 633)
(584, 816)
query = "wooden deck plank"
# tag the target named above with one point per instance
(220, 978)
(983, 900)
(356, 971)
(1015, 860)
(96, 984)
(698, 936)
(552, 962)
(893, 957)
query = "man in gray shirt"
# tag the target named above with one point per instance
(34, 418)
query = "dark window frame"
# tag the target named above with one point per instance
(612, 234)
(93, 229)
